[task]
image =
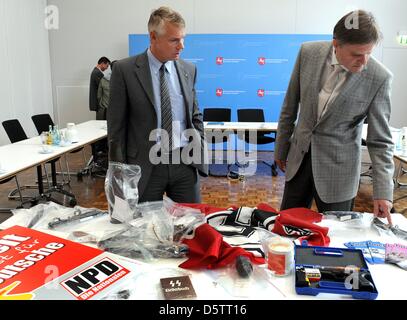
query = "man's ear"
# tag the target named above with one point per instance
(153, 36)
(335, 43)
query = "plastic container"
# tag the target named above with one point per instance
(280, 256)
(71, 132)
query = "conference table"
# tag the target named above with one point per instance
(26, 154)
(219, 284)
(219, 132)
(241, 126)
(20, 156)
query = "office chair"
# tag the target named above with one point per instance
(16, 133)
(18, 189)
(216, 115)
(257, 115)
(42, 123)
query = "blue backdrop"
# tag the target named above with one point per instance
(239, 70)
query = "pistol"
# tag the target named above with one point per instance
(365, 281)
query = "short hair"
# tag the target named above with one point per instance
(103, 60)
(357, 27)
(161, 15)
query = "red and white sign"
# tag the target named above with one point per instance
(219, 60)
(219, 92)
(34, 265)
(261, 93)
(261, 61)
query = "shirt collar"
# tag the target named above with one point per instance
(156, 64)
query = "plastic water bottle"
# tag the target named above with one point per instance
(49, 139)
(55, 136)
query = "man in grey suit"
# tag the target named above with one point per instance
(153, 116)
(335, 86)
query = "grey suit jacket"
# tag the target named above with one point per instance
(336, 139)
(131, 115)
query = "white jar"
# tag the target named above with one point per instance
(71, 132)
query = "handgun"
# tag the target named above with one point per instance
(337, 274)
(365, 281)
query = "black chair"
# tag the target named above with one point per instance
(16, 133)
(18, 189)
(263, 137)
(42, 122)
(217, 115)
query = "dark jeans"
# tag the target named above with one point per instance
(300, 191)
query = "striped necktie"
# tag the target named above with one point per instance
(166, 113)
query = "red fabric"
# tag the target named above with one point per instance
(301, 218)
(207, 248)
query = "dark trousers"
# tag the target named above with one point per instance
(100, 146)
(300, 191)
(180, 182)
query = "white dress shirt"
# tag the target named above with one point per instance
(333, 78)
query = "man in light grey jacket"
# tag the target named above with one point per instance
(335, 86)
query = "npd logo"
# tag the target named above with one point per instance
(261, 61)
(93, 279)
(219, 92)
(260, 93)
(219, 60)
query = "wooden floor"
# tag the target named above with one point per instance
(218, 191)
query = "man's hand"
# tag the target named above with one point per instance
(382, 209)
(281, 164)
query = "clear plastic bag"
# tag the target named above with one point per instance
(342, 215)
(157, 231)
(121, 187)
(241, 279)
(384, 229)
(184, 219)
(36, 217)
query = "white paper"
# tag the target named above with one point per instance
(121, 210)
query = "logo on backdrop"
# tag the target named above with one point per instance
(219, 60)
(51, 21)
(261, 61)
(260, 93)
(219, 92)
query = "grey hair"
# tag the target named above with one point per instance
(161, 15)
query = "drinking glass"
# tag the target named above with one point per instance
(44, 137)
